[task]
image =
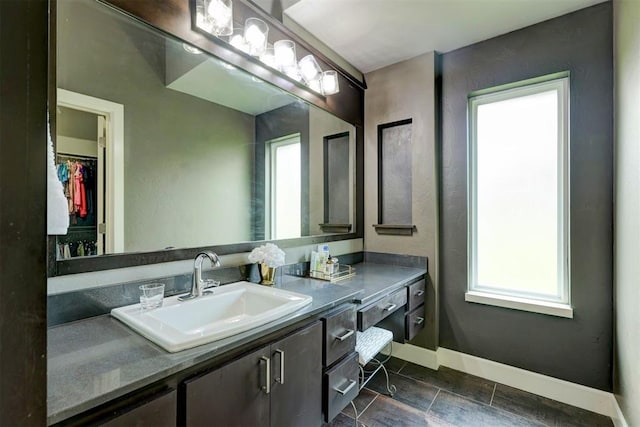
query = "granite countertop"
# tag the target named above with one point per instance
(95, 360)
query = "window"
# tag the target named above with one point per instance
(284, 189)
(518, 196)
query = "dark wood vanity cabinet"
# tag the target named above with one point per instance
(278, 385)
(340, 383)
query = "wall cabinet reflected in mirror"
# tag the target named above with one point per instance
(163, 147)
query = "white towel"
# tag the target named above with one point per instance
(57, 206)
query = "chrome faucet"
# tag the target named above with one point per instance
(197, 284)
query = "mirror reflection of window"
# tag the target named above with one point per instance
(285, 183)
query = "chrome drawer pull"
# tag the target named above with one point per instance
(390, 307)
(345, 335)
(419, 320)
(351, 385)
(267, 387)
(281, 378)
(419, 293)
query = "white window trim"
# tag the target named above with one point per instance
(270, 174)
(539, 304)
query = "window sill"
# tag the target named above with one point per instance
(524, 304)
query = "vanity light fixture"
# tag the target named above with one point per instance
(216, 17)
(255, 36)
(219, 13)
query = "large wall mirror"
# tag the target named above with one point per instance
(161, 146)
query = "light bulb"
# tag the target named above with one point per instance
(238, 41)
(309, 68)
(330, 82)
(220, 14)
(285, 51)
(269, 58)
(315, 85)
(255, 35)
(293, 72)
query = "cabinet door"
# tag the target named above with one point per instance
(233, 395)
(159, 412)
(296, 392)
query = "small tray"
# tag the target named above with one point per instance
(345, 271)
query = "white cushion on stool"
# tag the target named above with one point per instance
(371, 342)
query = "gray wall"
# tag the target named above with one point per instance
(322, 124)
(627, 229)
(406, 90)
(578, 349)
(188, 162)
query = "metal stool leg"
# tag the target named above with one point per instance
(355, 412)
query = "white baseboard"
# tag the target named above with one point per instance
(414, 354)
(573, 394)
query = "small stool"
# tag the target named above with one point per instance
(368, 344)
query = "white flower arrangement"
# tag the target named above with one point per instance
(269, 254)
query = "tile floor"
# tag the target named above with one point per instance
(447, 397)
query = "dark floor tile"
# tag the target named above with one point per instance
(461, 412)
(341, 420)
(387, 412)
(414, 393)
(362, 401)
(394, 364)
(470, 386)
(545, 410)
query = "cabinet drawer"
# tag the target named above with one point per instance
(341, 386)
(414, 322)
(374, 313)
(339, 335)
(416, 295)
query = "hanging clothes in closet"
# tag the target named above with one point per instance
(78, 175)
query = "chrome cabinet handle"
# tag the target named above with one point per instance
(419, 293)
(390, 307)
(351, 385)
(345, 335)
(267, 374)
(280, 379)
(419, 320)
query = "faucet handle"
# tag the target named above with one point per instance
(208, 283)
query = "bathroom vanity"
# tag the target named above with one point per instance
(290, 371)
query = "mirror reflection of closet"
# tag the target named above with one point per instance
(79, 161)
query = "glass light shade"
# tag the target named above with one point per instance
(294, 72)
(202, 18)
(330, 82)
(315, 85)
(285, 52)
(237, 40)
(256, 32)
(309, 68)
(220, 15)
(269, 58)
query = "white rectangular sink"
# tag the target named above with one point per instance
(232, 309)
